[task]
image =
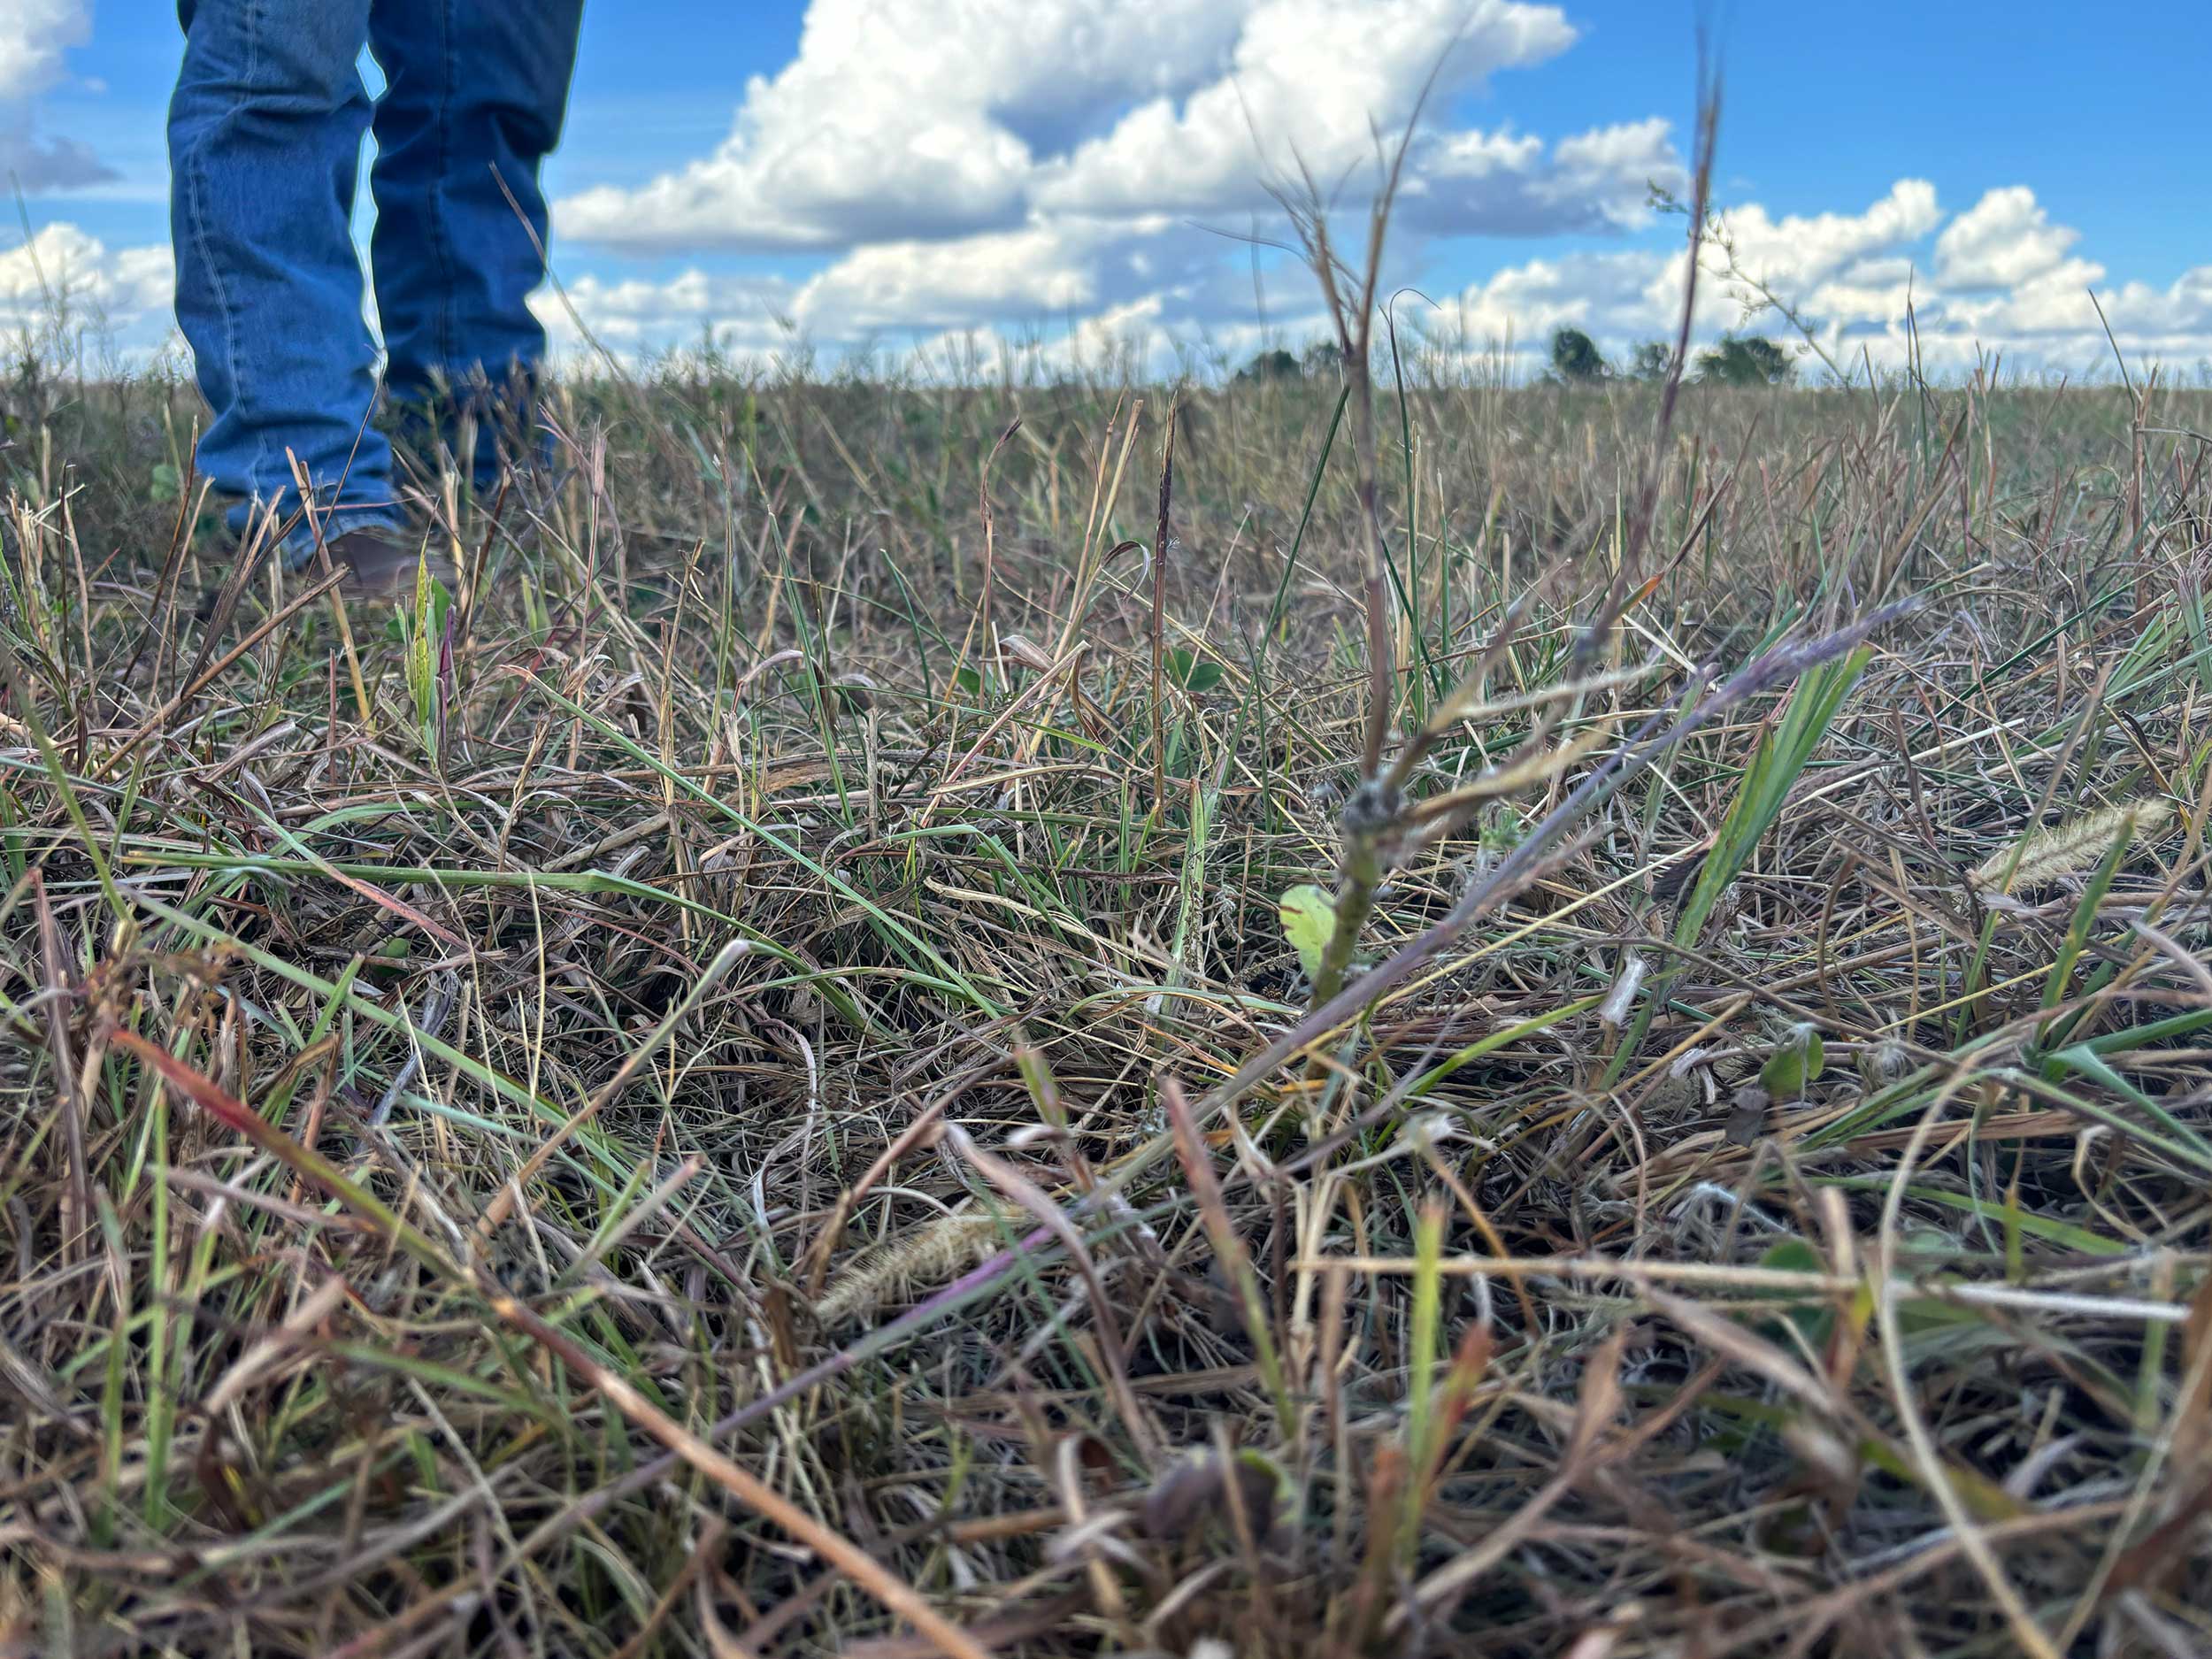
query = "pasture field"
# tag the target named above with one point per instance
(850, 1049)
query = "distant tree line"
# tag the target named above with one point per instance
(1576, 360)
(1278, 364)
(1731, 360)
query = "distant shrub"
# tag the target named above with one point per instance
(1575, 357)
(1278, 365)
(1746, 360)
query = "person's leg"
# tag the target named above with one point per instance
(473, 101)
(265, 145)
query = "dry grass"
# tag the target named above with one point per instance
(446, 1088)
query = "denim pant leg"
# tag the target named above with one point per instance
(475, 92)
(265, 145)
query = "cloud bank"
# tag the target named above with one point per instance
(955, 176)
(1077, 166)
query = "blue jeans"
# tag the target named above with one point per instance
(265, 145)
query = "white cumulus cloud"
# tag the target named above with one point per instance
(1851, 275)
(1998, 277)
(966, 164)
(34, 35)
(740, 314)
(1816, 248)
(65, 276)
(909, 118)
(2003, 240)
(1496, 184)
(914, 120)
(1309, 84)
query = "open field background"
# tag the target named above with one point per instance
(515, 1113)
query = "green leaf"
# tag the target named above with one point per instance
(1797, 1063)
(2186, 1141)
(1783, 752)
(1191, 671)
(166, 484)
(1814, 1319)
(1785, 749)
(1502, 828)
(2085, 917)
(1793, 1256)
(1308, 917)
(2080, 1240)
(967, 681)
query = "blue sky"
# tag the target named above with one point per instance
(2088, 123)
